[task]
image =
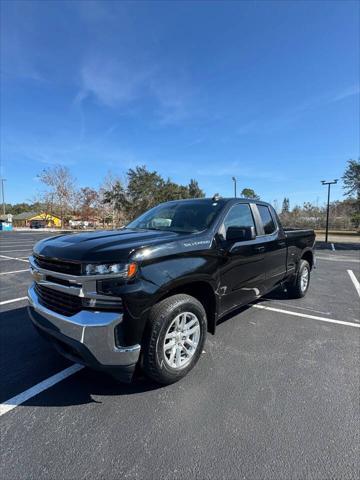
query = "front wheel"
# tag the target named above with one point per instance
(175, 338)
(299, 287)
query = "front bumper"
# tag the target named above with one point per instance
(87, 337)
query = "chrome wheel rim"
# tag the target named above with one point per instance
(181, 340)
(304, 279)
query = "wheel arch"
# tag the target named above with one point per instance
(204, 292)
(308, 255)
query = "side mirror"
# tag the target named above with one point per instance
(240, 234)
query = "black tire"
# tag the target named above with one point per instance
(296, 289)
(161, 318)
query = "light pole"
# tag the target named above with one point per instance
(234, 180)
(3, 194)
(324, 182)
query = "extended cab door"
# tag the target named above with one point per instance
(242, 270)
(274, 242)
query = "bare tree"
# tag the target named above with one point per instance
(61, 189)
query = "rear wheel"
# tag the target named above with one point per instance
(299, 287)
(175, 340)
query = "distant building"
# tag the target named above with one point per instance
(36, 220)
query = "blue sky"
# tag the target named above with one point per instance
(266, 91)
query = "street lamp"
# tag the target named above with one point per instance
(234, 180)
(3, 194)
(324, 182)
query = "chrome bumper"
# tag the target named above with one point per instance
(89, 331)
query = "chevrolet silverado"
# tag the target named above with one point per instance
(146, 295)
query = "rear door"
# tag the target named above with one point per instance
(274, 242)
(242, 271)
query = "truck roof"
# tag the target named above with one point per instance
(223, 200)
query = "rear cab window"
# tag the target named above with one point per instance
(267, 220)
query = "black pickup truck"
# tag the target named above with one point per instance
(146, 295)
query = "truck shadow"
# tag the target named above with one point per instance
(278, 294)
(27, 359)
(90, 387)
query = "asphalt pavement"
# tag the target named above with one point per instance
(274, 396)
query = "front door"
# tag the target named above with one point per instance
(242, 273)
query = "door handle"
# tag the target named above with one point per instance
(259, 249)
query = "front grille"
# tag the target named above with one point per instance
(60, 266)
(61, 281)
(58, 302)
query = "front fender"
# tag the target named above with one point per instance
(159, 279)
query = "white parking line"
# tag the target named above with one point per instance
(11, 244)
(18, 240)
(6, 247)
(13, 258)
(305, 315)
(13, 300)
(338, 259)
(355, 281)
(36, 389)
(302, 308)
(17, 250)
(15, 271)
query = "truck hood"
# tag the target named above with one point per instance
(103, 246)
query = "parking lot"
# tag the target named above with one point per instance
(275, 395)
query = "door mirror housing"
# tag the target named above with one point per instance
(240, 234)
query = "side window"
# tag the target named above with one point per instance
(239, 216)
(267, 220)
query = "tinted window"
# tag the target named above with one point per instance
(266, 218)
(239, 216)
(186, 216)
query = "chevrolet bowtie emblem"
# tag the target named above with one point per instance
(36, 275)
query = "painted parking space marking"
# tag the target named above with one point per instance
(14, 258)
(15, 271)
(13, 247)
(302, 308)
(17, 250)
(13, 300)
(305, 315)
(339, 259)
(16, 244)
(38, 388)
(355, 281)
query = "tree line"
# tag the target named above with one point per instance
(115, 202)
(119, 200)
(344, 215)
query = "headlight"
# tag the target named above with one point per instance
(119, 269)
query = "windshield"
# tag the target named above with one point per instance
(183, 217)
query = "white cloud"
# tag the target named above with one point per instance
(282, 121)
(116, 83)
(346, 93)
(113, 83)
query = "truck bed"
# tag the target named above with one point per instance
(298, 240)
